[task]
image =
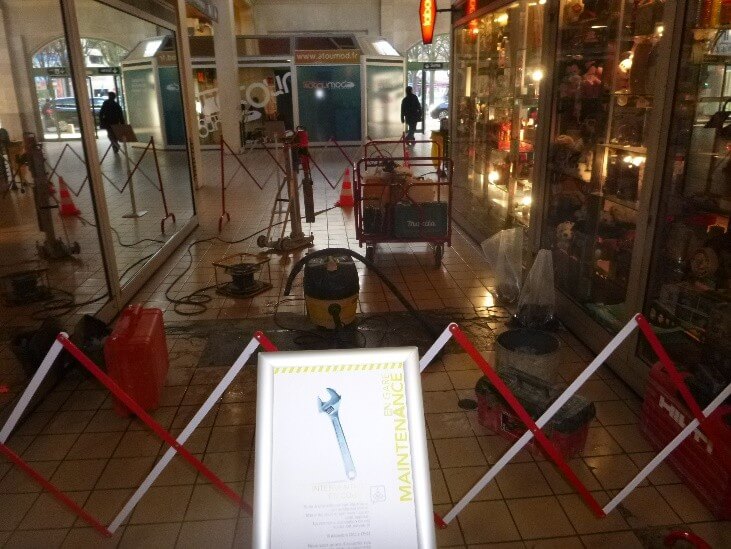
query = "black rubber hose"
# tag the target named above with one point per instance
(297, 267)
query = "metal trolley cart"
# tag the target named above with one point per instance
(393, 203)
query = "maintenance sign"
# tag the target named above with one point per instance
(341, 459)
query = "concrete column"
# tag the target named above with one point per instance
(9, 110)
(227, 73)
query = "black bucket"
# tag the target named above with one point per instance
(532, 351)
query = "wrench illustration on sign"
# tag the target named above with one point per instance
(331, 409)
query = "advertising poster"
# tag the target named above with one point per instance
(266, 95)
(142, 111)
(172, 105)
(385, 89)
(341, 451)
(329, 101)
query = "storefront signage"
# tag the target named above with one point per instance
(427, 19)
(256, 98)
(64, 71)
(326, 57)
(106, 70)
(329, 101)
(341, 456)
(167, 58)
(57, 71)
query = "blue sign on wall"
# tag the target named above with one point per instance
(172, 105)
(329, 101)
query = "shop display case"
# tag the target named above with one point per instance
(604, 101)
(632, 182)
(689, 284)
(497, 60)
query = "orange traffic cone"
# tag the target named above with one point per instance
(346, 192)
(68, 207)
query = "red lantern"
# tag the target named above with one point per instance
(472, 25)
(427, 18)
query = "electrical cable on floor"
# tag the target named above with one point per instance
(66, 304)
(85, 221)
(198, 299)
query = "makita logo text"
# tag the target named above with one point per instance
(680, 419)
(315, 85)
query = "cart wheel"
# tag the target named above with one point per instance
(261, 241)
(438, 255)
(371, 253)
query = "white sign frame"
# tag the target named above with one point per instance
(339, 364)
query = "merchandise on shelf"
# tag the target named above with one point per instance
(497, 72)
(607, 63)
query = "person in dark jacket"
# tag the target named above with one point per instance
(410, 113)
(109, 115)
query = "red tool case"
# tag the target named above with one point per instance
(137, 356)
(567, 430)
(704, 466)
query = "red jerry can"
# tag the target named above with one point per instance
(137, 356)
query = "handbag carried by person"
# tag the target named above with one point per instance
(718, 119)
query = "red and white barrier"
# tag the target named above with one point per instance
(452, 331)
(176, 445)
(534, 428)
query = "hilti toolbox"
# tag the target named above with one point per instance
(567, 430)
(137, 356)
(703, 463)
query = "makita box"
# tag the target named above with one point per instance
(703, 464)
(420, 219)
(568, 429)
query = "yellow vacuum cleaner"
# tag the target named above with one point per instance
(331, 290)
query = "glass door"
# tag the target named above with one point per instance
(497, 74)
(145, 172)
(605, 105)
(689, 286)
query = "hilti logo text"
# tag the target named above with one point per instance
(680, 419)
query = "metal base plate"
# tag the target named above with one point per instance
(289, 244)
(133, 215)
(229, 290)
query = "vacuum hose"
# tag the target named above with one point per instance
(345, 251)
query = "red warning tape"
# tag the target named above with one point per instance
(58, 494)
(130, 403)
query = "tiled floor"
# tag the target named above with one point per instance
(98, 458)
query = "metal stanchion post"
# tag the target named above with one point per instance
(134, 213)
(297, 238)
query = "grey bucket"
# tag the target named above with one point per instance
(535, 352)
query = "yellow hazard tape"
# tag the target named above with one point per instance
(339, 368)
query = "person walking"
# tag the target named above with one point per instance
(109, 115)
(410, 113)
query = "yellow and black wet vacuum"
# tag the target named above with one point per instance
(331, 288)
